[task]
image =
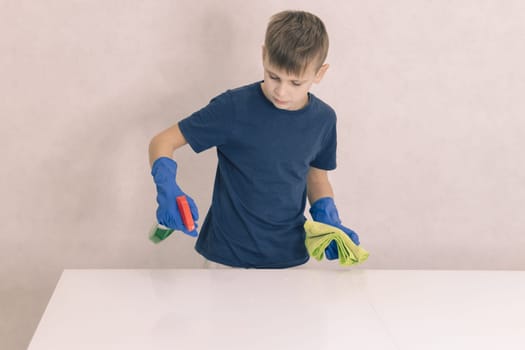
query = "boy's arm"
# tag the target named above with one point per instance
(164, 171)
(322, 207)
(318, 185)
(165, 143)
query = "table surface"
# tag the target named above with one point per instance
(284, 309)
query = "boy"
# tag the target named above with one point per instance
(275, 142)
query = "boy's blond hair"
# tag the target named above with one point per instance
(294, 39)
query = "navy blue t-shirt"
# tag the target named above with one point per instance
(264, 154)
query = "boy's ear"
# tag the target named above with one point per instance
(321, 72)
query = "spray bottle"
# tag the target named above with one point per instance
(159, 232)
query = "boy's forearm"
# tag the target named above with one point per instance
(318, 185)
(158, 149)
(165, 143)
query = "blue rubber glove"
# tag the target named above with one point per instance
(324, 210)
(164, 171)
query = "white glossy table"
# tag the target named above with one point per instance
(284, 309)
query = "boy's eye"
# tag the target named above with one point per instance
(274, 77)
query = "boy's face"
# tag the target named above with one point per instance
(286, 91)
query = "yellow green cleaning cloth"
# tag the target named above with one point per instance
(319, 236)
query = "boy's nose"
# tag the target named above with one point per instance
(279, 91)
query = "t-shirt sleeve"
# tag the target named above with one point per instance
(326, 158)
(210, 126)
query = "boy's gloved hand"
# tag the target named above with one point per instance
(164, 171)
(324, 210)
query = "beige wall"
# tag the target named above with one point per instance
(431, 113)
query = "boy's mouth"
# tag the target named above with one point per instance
(279, 102)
